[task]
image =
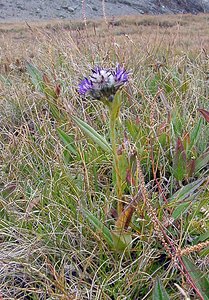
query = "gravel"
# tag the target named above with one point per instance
(27, 10)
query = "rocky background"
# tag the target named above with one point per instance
(14, 10)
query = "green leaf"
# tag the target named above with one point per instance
(180, 209)
(163, 139)
(36, 77)
(204, 252)
(114, 106)
(201, 238)
(159, 292)
(200, 280)
(168, 88)
(91, 132)
(179, 161)
(177, 123)
(185, 86)
(121, 240)
(186, 191)
(99, 226)
(56, 113)
(67, 140)
(202, 161)
(195, 133)
(123, 166)
(133, 128)
(152, 84)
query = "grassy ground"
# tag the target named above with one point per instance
(58, 192)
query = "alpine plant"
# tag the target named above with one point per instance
(103, 83)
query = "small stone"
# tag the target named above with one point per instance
(20, 7)
(70, 9)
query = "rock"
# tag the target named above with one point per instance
(73, 9)
(20, 7)
(64, 7)
(68, 8)
(61, 16)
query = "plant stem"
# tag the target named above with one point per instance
(114, 111)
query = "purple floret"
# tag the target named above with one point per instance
(85, 86)
(103, 83)
(121, 76)
(96, 70)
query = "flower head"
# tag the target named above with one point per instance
(103, 83)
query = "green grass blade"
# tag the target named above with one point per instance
(204, 252)
(179, 161)
(159, 292)
(187, 190)
(202, 161)
(67, 140)
(201, 238)
(180, 209)
(5, 80)
(99, 226)
(91, 132)
(200, 280)
(36, 77)
(195, 133)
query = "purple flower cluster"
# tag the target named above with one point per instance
(103, 83)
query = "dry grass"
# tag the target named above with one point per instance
(49, 249)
